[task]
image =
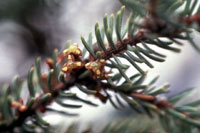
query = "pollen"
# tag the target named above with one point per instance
(97, 68)
(78, 52)
(65, 51)
(73, 49)
(102, 60)
(105, 43)
(78, 63)
(98, 72)
(87, 65)
(64, 69)
(69, 57)
(23, 108)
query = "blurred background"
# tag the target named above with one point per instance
(31, 28)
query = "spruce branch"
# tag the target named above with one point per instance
(71, 68)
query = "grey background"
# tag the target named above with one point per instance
(68, 21)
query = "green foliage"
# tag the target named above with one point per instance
(148, 23)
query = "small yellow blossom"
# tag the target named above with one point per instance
(97, 68)
(73, 50)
